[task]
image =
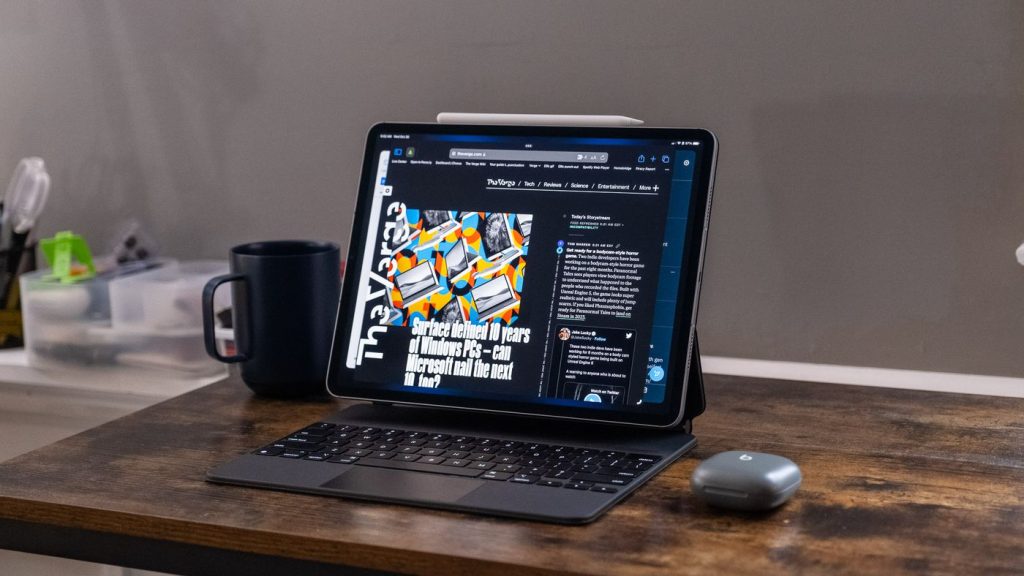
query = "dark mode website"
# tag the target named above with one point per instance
(528, 269)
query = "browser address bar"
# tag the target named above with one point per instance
(528, 155)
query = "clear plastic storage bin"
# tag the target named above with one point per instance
(148, 320)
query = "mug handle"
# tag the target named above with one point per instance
(208, 325)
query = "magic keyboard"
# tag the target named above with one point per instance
(494, 459)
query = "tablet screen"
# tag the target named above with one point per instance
(545, 271)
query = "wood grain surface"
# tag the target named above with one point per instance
(894, 481)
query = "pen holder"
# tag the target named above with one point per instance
(12, 331)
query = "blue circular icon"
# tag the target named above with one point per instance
(558, 250)
(561, 243)
(665, 159)
(641, 158)
(592, 398)
(656, 374)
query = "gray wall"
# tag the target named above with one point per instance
(871, 178)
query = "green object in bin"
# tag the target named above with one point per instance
(59, 252)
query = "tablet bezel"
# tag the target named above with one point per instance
(341, 381)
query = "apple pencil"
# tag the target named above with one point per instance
(537, 119)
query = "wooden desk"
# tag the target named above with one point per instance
(894, 481)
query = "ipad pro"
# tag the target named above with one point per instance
(516, 299)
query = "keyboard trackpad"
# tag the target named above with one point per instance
(402, 485)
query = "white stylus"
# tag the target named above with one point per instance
(537, 119)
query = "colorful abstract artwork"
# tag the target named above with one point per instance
(452, 266)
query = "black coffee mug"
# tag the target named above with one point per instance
(285, 302)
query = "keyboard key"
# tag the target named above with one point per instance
(612, 454)
(587, 468)
(298, 445)
(439, 437)
(605, 489)
(506, 459)
(465, 446)
(487, 442)
(343, 459)
(551, 483)
(438, 444)
(321, 426)
(579, 485)
(415, 435)
(381, 455)
(456, 454)
(482, 465)
(455, 462)
(535, 471)
(358, 453)
(482, 457)
(361, 444)
(431, 451)
(616, 480)
(507, 468)
(645, 458)
(410, 441)
(464, 439)
(304, 439)
(408, 450)
(560, 474)
(318, 456)
(269, 451)
(293, 454)
(486, 449)
(617, 472)
(431, 460)
(419, 466)
(385, 447)
(494, 475)
(524, 478)
(408, 457)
